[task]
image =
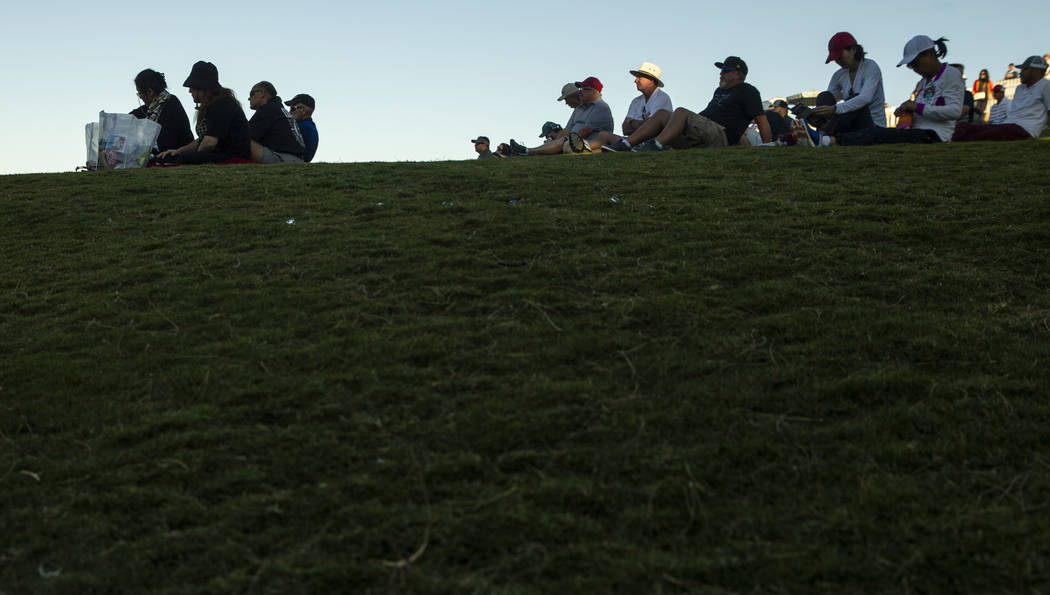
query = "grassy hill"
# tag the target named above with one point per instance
(700, 371)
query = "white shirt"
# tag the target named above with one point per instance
(867, 88)
(1029, 106)
(939, 102)
(642, 109)
(997, 113)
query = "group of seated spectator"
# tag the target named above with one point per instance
(223, 132)
(850, 112)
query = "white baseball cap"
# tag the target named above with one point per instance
(915, 46)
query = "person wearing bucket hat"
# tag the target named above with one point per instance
(997, 113)
(1028, 112)
(589, 119)
(733, 106)
(937, 106)
(222, 130)
(653, 104)
(858, 81)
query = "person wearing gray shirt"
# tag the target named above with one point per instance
(588, 120)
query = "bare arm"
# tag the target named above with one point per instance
(208, 144)
(763, 128)
(190, 146)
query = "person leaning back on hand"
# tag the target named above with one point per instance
(222, 129)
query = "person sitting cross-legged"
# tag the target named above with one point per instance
(734, 105)
(302, 109)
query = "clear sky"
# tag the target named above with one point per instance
(417, 80)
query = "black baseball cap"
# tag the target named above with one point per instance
(733, 63)
(302, 98)
(481, 139)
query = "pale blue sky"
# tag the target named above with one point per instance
(418, 80)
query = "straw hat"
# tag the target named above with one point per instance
(649, 70)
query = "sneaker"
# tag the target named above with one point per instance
(617, 147)
(649, 145)
(517, 148)
(577, 144)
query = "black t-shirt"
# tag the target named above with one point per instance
(274, 128)
(968, 102)
(734, 108)
(778, 125)
(225, 121)
(174, 125)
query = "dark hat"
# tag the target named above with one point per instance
(204, 75)
(481, 139)
(302, 98)
(780, 103)
(1035, 62)
(733, 63)
(549, 128)
(998, 88)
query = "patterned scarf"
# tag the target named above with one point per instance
(156, 106)
(201, 125)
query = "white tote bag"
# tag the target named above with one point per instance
(124, 141)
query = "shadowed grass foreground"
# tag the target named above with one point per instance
(713, 371)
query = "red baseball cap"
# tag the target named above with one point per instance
(839, 42)
(591, 82)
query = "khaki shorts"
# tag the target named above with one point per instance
(700, 132)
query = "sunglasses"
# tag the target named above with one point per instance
(725, 70)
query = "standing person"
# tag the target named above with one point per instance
(997, 113)
(653, 103)
(1011, 72)
(1028, 112)
(302, 109)
(275, 134)
(163, 108)
(859, 82)
(938, 99)
(222, 129)
(983, 84)
(733, 106)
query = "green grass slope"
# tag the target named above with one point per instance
(701, 371)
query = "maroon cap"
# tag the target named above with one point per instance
(839, 42)
(997, 88)
(591, 82)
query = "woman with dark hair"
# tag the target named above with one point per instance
(983, 84)
(222, 129)
(858, 81)
(163, 108)
(937, 103)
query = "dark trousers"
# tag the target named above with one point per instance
(964, 131)
(887, 136)
(847, 122)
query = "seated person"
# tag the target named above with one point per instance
(481, 147)
(859, 82)
(652, 104)
(222, 129)
(1028, 112)
(937, 106)
(590, 118)
(164, 109)
(275, 134)
(997, 113)
(734, 105)
(302, 109)
(779, 120)
(570, 94)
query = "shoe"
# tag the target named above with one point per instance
(649, 145)
(617, 147)
(517, 148)
(577, 144)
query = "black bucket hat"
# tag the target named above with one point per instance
(204, 75)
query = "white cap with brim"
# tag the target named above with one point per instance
(915, 46)
(568, 89)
